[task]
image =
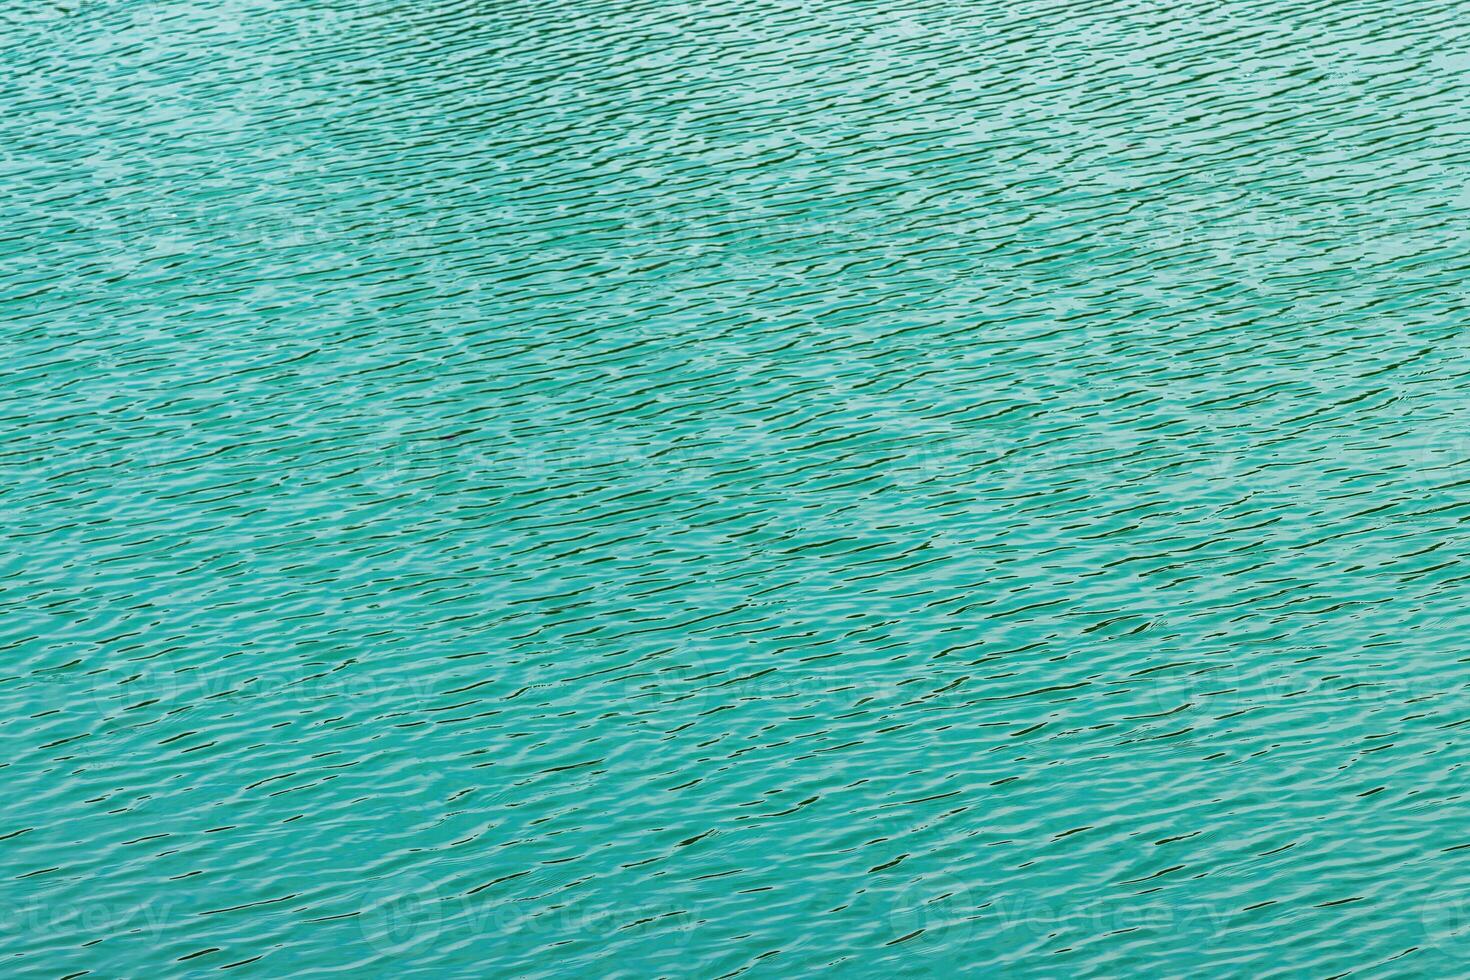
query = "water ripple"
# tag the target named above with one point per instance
(707, 490)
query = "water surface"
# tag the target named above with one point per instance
(768, 487)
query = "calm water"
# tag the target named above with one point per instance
(739, 488)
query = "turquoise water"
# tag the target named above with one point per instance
(740, 488)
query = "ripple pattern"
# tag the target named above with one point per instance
(664, 489)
